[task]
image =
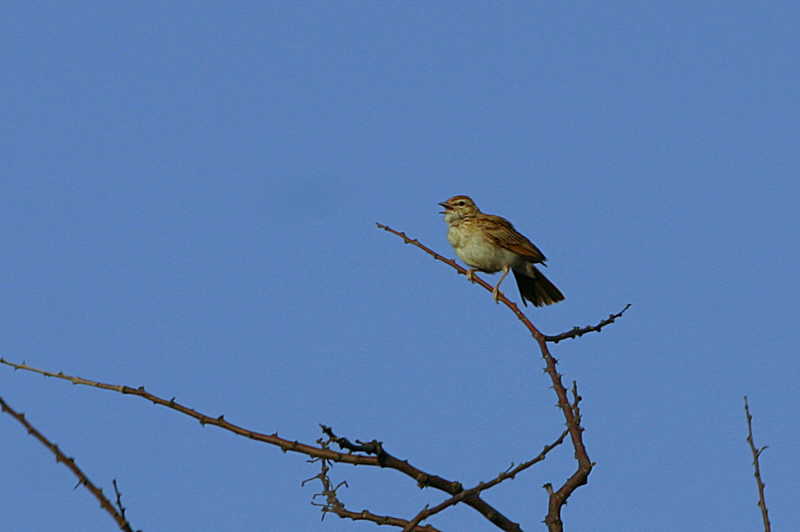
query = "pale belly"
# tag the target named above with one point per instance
(479, 253)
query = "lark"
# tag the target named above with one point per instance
(489, 244)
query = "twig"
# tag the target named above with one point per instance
(371, 447)
(422, 478)
(334, 505)
(576, 332)
(425, 479)
(762, 502)
(122, 523)
(118, 497)
(426, 512)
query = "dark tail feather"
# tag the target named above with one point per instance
(537, 288)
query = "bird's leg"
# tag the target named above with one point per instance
(471, 275)
(496, 289)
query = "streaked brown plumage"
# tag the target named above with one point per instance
(489, 244)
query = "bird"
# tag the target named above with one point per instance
(489, 244)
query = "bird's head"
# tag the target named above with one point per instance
(458, 207)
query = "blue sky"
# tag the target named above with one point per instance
(188, 196)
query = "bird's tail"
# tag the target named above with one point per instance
(536, 288)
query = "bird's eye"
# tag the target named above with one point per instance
(461, 202)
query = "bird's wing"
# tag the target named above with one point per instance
(502, 233)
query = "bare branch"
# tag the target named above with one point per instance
(377, 456)
(453, 264)
(557, 498)
(425, 479)
(334, 505)
(371, 447)
(118, 496)
(119, 517)
(762, 502)
(204, 419)
(384, 459)
(426, 512)
(576, 332)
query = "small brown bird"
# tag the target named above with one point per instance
(489, 243)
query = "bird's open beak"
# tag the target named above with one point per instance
(446, 206)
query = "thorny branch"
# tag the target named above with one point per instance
(762, 502)
(557, 498)
(334, 505)
(577, 332)
(424, 479)
(118, 498)
(384, 459)
(371, 447)
(511, 472)
(381, 458)
(83, 480)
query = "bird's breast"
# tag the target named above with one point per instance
(477, 251)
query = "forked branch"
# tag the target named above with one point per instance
(570, 411)
(382, 458)
(511, 472)
(334, 505)
(374, 453)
